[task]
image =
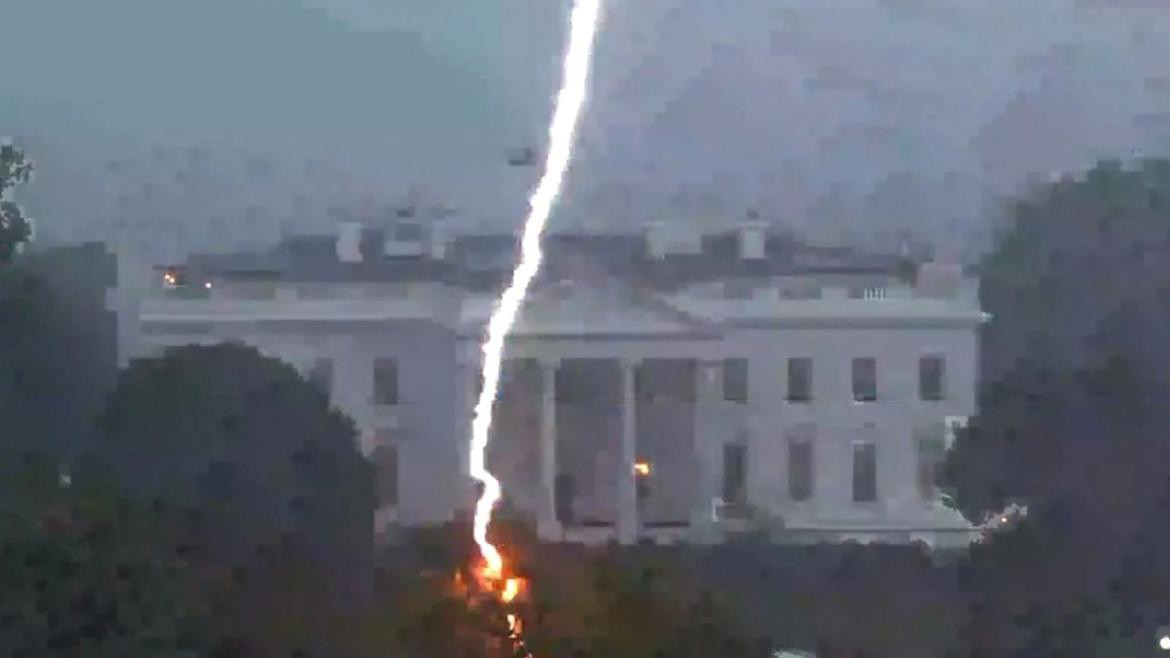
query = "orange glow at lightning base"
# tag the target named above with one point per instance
(583, 23)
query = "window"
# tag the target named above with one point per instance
(800, 469)
(564, 492)
(865, 379)
(799, 379)
(864, 472)
(321, 375)
(931, 378)
(385, 460)
(385, 381)
(931, 447)
(735, 474)
(735, 380)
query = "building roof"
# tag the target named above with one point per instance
(484, 262)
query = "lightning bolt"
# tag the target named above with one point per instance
(583, 23)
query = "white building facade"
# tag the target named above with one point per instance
(660, 386)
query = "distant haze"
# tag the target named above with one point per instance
(216, 124)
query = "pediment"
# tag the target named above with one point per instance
(612, 309)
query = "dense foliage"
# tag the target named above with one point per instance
(58, 356)
(1076, 372)
(15, 169)
(85, 575)
(251, 447)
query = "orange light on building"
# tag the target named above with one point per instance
(642, 469)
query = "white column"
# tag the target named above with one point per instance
(627, 521)
(709, 386)
(548, 526)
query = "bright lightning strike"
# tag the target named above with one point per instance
(583, 23)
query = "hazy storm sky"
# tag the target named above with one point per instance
(216, 123)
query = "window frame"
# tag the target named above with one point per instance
(377, 458)
(923, 393)
(931, 459)
(808, 380)
(873, 489)
(740, 394)
(740, 496)
(810, 486)
(388, 400)
(861, 395)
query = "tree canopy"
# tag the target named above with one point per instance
(58, 350)
(1075, 375)
(14, 228)
(250, 448)
(1076, 360)
(85, 575)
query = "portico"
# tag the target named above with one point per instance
(599, 396)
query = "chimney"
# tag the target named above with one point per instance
(349, 242)
(752, 240)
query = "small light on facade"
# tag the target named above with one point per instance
(1164, 642)
(207, 285)
(169, 279)
(642, 468)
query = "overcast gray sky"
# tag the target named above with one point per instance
(845, 118)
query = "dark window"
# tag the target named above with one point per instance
(385, 381)
(321, 375)
(865, 379)
(735, 380)
(931, 378)
(735, 473)
(800, 469)
(864, 472)
(385, 460)
(565, 490)
(931, 455)
(800, 379)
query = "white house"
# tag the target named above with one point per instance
(664, 385)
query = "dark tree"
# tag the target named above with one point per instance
(1076, 374)
(14, 228)
(85, 576)
(1075, 359)
(58, 350)
(269, 472)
